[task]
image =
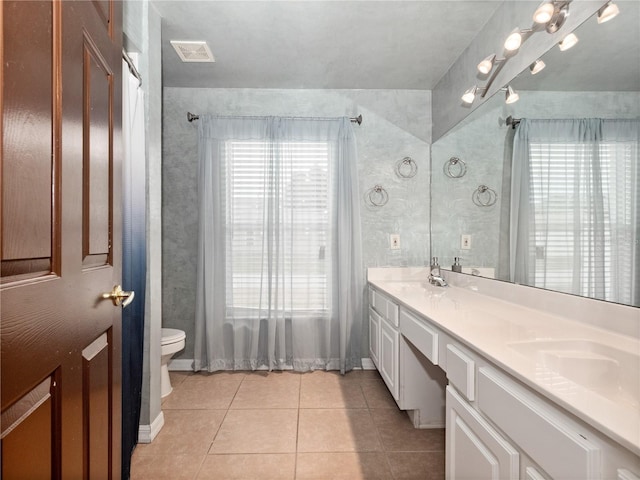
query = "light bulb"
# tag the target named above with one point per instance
(568, 42)
(537, 66)
(512, 96)
(544, 12)
(486, 65)
(470, 95)
(609, 11)
(513, 41)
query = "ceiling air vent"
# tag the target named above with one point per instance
(193, 51)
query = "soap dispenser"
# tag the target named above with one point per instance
(456, 267)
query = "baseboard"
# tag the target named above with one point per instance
(186, 365)
(367, 364)
(181, 365)
(146, 433)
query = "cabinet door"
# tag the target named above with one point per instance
(474, 450)
(389, 353)
(374, 338)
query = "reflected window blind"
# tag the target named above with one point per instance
(582, 197)
(278, 220)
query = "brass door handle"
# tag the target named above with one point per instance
(117, 295)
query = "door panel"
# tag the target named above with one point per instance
(97, 117)
(28, 150)
(56, 327)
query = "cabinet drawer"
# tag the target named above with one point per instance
(420, 334)
(385, 307)
(461, 371)
(560, 451)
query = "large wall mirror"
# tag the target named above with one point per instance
(495, 197)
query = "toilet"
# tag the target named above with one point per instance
(172, 342)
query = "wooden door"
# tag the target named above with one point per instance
(60, 243)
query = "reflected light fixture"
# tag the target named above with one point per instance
(567, 42)
(486, 65)
(537, 66)
(511, 95)
(609, 11)
(544, 12)
(470, 95)
(513, 41)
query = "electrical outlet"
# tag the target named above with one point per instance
(465, 242)
(394, 241)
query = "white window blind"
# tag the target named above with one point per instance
(278, 235)
(582, 196)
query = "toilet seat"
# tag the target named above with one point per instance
(172, 335)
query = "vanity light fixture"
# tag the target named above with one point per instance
(537, 66)
(608, 12)
(470, 95)
(567, 42)
(560, 15)
(486, 65)
(511, 95)
(544, 12)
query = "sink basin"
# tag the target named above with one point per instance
(598, 367)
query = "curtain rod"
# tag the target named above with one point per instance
(512, 122)
(132, 67)
(191, 117)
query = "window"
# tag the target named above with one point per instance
(582, 195)
(283, 268)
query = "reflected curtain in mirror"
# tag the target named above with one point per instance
(279, 276)
(575, 206)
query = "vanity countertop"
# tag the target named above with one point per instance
(600, 380)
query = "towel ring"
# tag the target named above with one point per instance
(406, 168)
(455, 168)
(484, 196)
(377, 196)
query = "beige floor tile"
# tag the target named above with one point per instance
(364, 375)
(247, 467)
(184, 432)
(331, 395)
(211, 392)
(336, 430)
(272, 377)
(270, 393)
(165, 467)
(257, 431)
(377, 394)
(398, 434)
(178, 377)
(343, 466)
(417, 465)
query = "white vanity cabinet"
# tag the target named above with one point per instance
(499, 428)
(414, 382)
(384, 339)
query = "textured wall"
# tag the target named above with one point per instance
(485, 143)
(397, 123)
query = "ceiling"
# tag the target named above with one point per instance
(364, 44)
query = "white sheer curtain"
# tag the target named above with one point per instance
(575, 207)
(280, 281)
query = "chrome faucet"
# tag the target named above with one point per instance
(435, 276)
(438, 281)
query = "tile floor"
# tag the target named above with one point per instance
(284, 425)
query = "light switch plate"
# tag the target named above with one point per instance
(465, 242)
(394, 241)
